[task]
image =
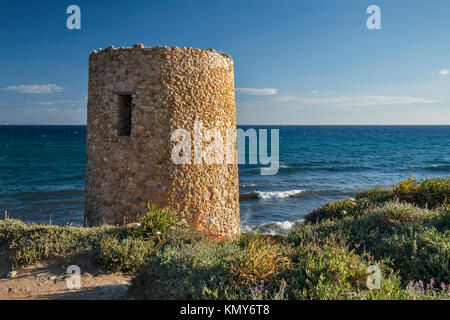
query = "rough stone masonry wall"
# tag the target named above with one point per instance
(171, 88)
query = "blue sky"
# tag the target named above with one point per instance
(296, 62)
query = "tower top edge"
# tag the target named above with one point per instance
(156, 49)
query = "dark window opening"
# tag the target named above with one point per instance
(125, 103)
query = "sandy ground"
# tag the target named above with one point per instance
(48, 280)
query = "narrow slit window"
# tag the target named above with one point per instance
(125, 109)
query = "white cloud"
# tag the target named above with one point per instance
(57, 102)
(444, 72)
(315, 91)
(257, 92)
(363, 101)
(48, 103)
(292, 103)
(35, 88)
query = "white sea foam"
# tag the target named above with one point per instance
(284, 225)
(273, 228)
(271, 195)
(277, 195)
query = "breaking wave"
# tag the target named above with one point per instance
(271, 195)
(273, 228)
(438, 167)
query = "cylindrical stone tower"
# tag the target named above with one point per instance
(138, 97)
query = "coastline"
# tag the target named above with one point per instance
(43, 169)
(403, 230)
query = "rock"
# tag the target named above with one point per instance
(11, 274)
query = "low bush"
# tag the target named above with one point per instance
(126, 255)
(260, 260)
(156, 221)
(415, 241)
(113, 248)
(347, 207)
(327, 269)
(428, 193)
(38, 242)
(199, 270)
(376, 195)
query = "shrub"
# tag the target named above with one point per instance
(11, 229)
(420, 253)
(207, 269)
(199, 270)
(414, 240)
(376, 195)
(260, 260)
(156, 221)
(126, 255)
(347, 207)
(406, 235)
(40, 242)
(114, 248)
(429, 193)
(325, 269)
(442, 220)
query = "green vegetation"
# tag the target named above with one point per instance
(430, 193)
(156, 221)
(403, 230)
(396, 226)
(115, 249)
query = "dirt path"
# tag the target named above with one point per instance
(48, 280)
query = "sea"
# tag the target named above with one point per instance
(42, 170)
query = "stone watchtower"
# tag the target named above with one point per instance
(138, 96)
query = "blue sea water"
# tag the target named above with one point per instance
(42, 169)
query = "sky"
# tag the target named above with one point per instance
(309, 62)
